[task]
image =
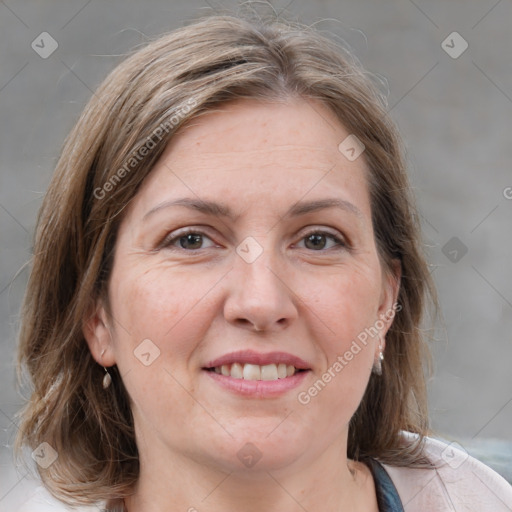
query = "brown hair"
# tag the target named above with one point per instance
(141, 104)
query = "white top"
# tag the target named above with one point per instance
(460, 483)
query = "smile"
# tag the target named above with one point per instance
(257, 375)
(249, 371)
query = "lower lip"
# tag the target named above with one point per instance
(258, 388)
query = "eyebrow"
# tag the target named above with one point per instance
(221, 210)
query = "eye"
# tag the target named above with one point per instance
(318, 241)
(194, 239)
(189, 239)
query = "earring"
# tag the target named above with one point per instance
(107, 378)
(377, 366)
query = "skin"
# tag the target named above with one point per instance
(197, 304)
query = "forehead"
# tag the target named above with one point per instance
(258, 151)
(251, 125)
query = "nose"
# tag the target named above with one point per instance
(260, 297)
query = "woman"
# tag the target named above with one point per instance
(227, 289)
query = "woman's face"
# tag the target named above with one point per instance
(271, 273)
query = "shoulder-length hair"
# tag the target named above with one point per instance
(113, 147)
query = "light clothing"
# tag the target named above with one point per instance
(460, 483)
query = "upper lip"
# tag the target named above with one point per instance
(252, 357)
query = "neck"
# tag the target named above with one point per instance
(330, 483)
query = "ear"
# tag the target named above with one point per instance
(96, 330)
(388, 307)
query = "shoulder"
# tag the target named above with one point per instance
(457, 482)
(42, 501)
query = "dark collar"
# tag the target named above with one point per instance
(387, 495)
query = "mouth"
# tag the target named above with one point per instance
(259, 375)
(248, 371)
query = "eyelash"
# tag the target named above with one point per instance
(169, 241)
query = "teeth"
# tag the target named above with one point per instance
(237, 371)
(255, 372)
(269, 372)
(252, 372)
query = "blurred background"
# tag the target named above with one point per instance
(448, 69)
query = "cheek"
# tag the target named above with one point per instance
(344, 310)
(164, 305)
(161, 316)
(346, 302)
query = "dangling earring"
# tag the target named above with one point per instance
(377, 366)
(107, 379)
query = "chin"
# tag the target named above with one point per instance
(265, 449)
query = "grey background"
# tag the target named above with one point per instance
(454, 114)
